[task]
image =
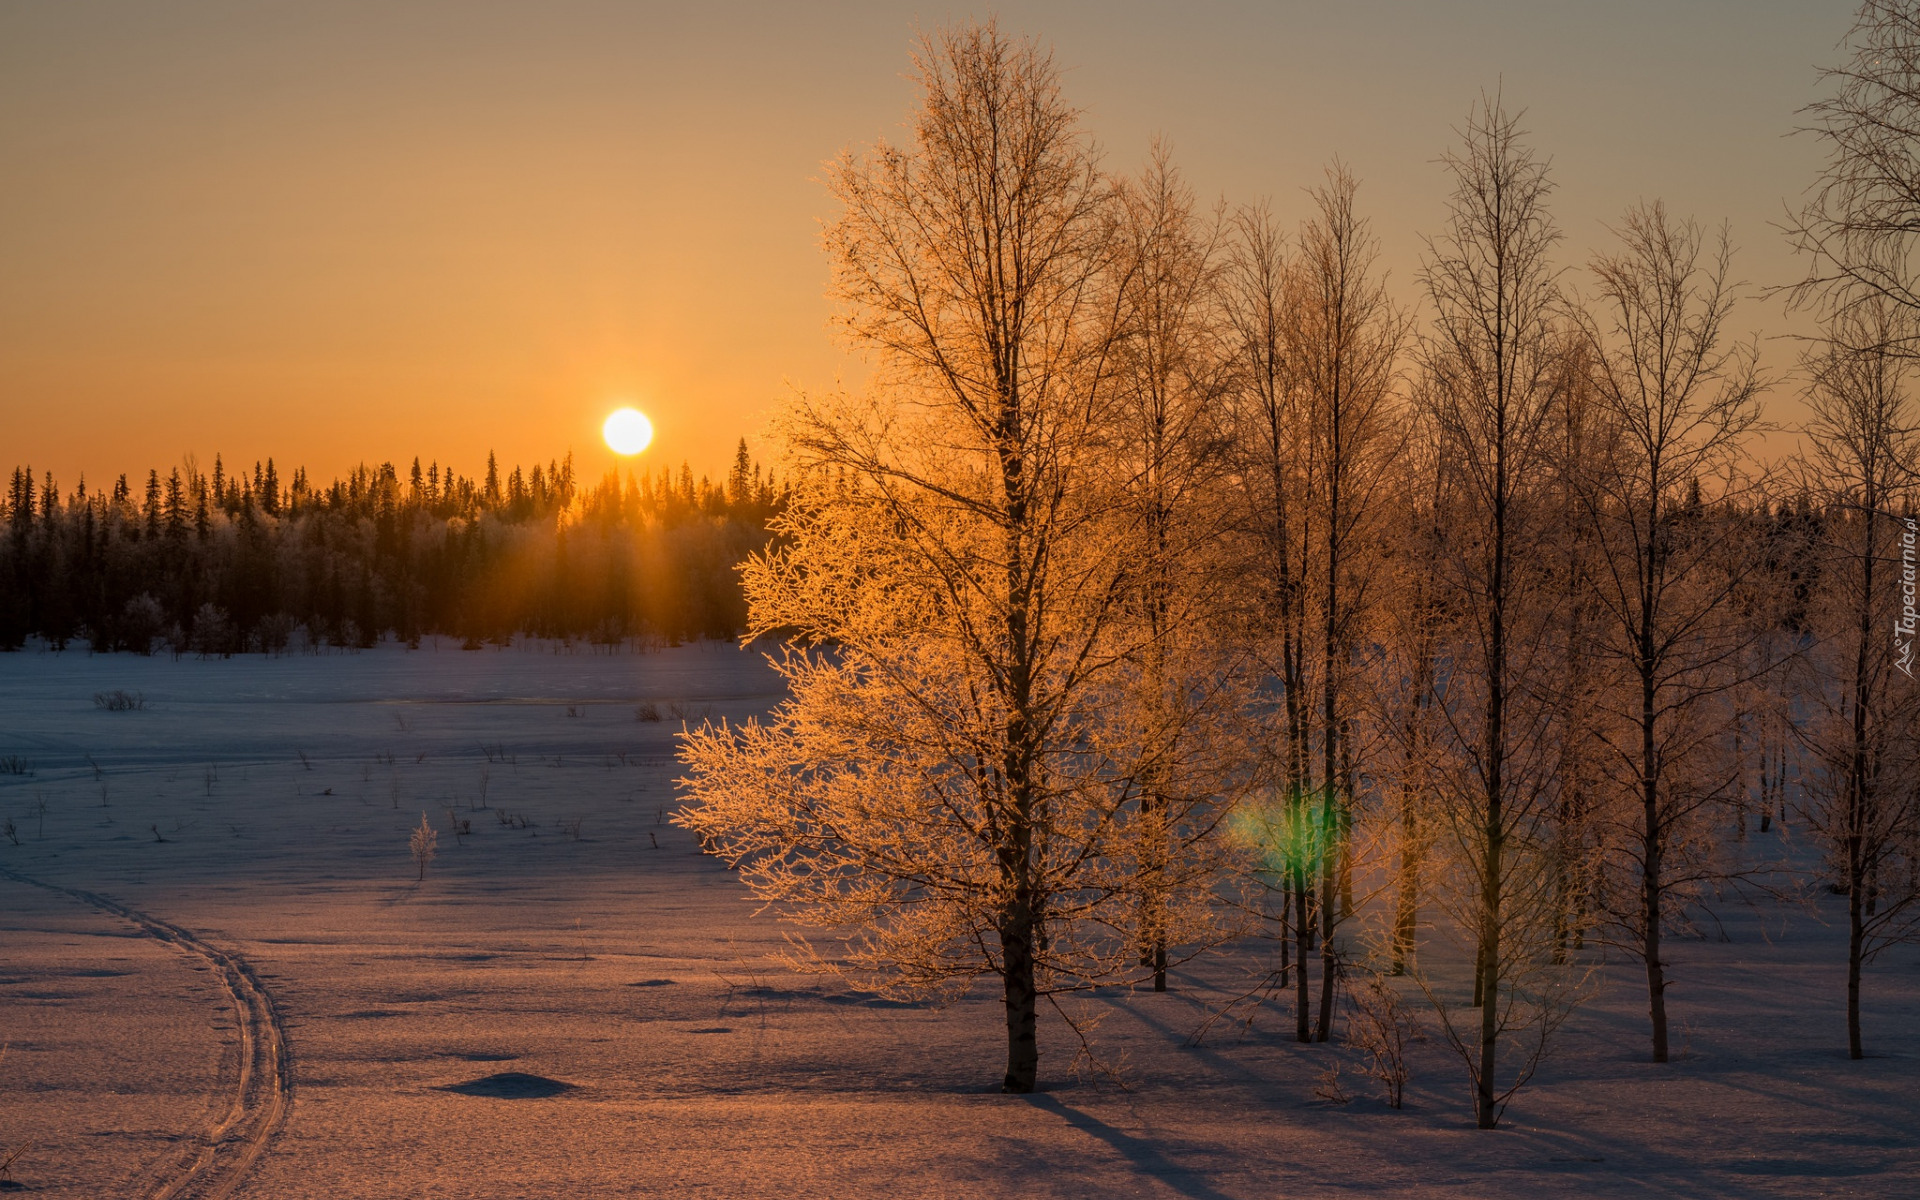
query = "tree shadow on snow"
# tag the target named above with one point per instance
(1143, 1155)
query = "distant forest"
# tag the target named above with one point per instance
(232, 562)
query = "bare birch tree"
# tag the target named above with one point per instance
(1167, 434)
(1343, 345)
(1584, 438)
(1859, 230)
(1408, 673)
(1275, 473)
(1667, 581)
(1863, 723)
(1489, 355)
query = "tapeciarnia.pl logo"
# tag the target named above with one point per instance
(1903, 627)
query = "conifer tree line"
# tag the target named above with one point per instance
(1179, 581)
(226, 562)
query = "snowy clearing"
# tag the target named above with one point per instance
(576, 1002)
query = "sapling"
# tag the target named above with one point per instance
(1380, 1028)
(11, 1157)
(1329, 1089)
(424, 844)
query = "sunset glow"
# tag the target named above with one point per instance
(1207, 600)
(627, 431)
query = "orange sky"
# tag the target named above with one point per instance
(364, 231)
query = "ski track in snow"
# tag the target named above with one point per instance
(214, 1164)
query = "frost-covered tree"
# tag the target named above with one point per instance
(1858, 230)
(1344, 338)
(1166, 433)
(423, 844)
(1862, 708)
(1489, 357)
(1669, 583)
(1274, 475)
(953, 787)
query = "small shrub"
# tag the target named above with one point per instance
(1380, 1026)
(273, 632)
(646, 711)
(141, 622)
(214, 634)
(1329, 1088)
(119, 700)
(14, 764)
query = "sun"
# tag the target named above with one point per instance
(627, 431)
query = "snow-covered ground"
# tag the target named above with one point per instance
(575, 1002)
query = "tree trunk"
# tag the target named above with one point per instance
(1493, 830)
(1346, 819)
(1486, 1114)
(1023, 1045)
(1286, 940)
(1329, 848)
(1858, 809)
(1656, 972)
(1303, 929)
(1856, 942)
(1652, 842)
(1407, 901)
(1329, 966)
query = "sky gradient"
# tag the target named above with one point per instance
(364, 231)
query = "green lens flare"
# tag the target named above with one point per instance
(1289, 832)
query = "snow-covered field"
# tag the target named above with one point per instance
(213, 929)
